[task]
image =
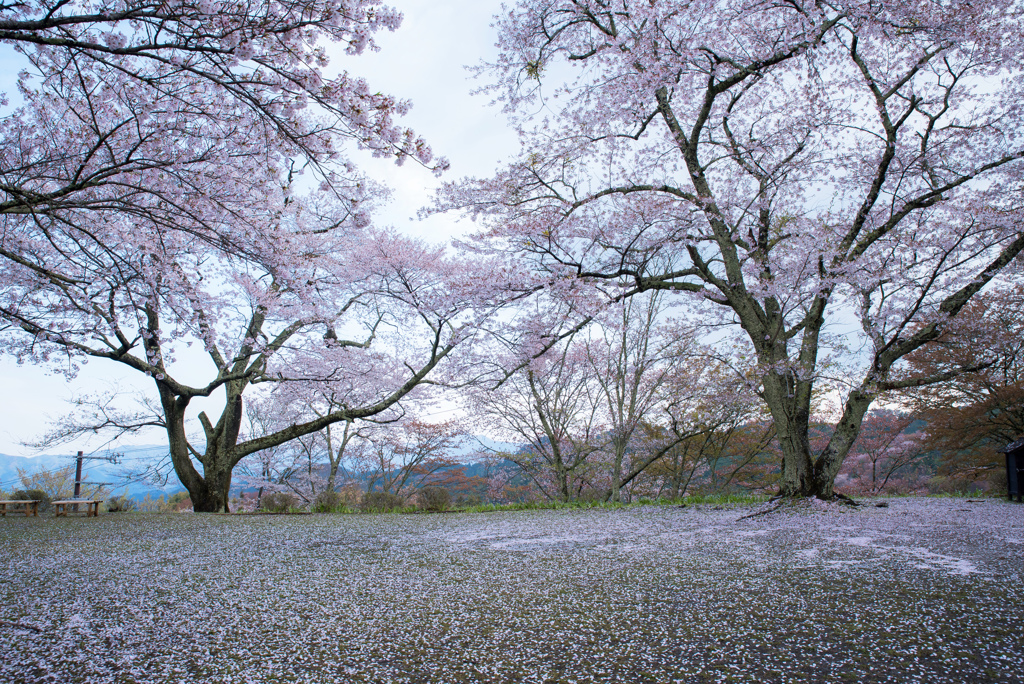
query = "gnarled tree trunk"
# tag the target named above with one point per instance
(208, 491)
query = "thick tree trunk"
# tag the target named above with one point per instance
(563, 481)
(804, 474)
(792, 428)
(616, 484)
(796, 461)
(212, 495)
(828, 463)
(209, 490)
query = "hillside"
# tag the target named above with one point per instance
(117, 473)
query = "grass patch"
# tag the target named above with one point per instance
(693, 500)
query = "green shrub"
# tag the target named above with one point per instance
(950, 486)
(997, 484)
(278, 502)
(434, 498)
(468, 501)
(328, 502)
(33, 495)
(176, 498)
(591, 496)
(120, 504)
(379, 502)
(172, 502)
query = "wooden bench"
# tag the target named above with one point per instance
(30, 506)
(92, 507)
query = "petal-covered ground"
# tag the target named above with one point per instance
(925, 590)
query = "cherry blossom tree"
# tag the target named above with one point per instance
(632, 358)
(407, 455)
(552, 407)
(305, 468)
(884, 447)
(362, 313)
(709, 429)
(332, 449)
(151, 196)
(608, 396)
(835, 181)
(141, 117)
(122, 97)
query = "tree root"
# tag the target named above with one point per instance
(20, 625)
(780, 500)
(836, 496)
(764, 512)
(846, 499)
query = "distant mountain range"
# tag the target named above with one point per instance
(113, 467)
(116, 467)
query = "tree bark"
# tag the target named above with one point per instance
(208, 491)
(620, 451)
(212, 494)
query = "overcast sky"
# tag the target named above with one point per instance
(424, 62)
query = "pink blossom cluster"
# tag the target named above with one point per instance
(832, 181)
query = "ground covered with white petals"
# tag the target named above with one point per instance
(924, 590)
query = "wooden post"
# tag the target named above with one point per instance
(78, 478)
(1014, 469)
(78, 475)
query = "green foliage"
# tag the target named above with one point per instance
(954, 486)
(434, 499)
(330, 502)
(469, 501)
(591, 496)
(173, 501)
(997, 483)
(709, 499)
(534, 68)
(148, 504)
(380, 502)
(177, 498)
(120, 504)
(33, 495)
(278, 502)
(544, 506)
(717, 499)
